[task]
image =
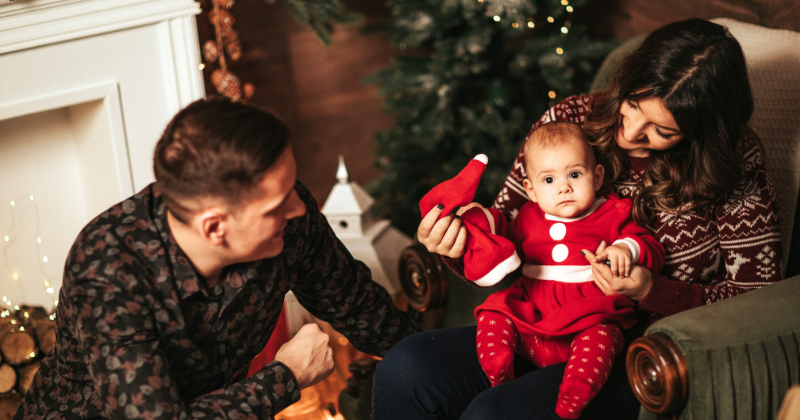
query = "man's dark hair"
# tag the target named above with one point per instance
(215, 148)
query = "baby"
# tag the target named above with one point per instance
(555, 312)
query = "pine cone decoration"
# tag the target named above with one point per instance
(234, 49)
(210, 51)
(249, 90)
(227, 84)
(225, 18)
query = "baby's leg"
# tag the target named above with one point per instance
(592, 354)
(497, 343)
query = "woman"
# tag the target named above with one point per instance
(671, 133)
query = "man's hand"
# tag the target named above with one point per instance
(619, 257)
(308, 355)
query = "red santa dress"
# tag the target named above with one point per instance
(555, 312)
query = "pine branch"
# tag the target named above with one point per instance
(320, 15)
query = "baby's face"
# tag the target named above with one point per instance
(563, 179)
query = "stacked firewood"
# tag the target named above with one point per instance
(26, 336)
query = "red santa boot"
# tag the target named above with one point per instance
(455, 192)
(489, 256)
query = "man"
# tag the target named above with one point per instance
(168, 295)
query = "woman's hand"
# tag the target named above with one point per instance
(444, 237)
(635, 287)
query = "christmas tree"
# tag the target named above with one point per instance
(471, 76)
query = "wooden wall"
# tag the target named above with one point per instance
(317, 89)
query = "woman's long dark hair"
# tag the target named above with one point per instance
(698, 69)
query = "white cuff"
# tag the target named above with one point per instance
(633, 245)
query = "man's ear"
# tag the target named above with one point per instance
(212, 224)
(529, 190)
(599, 172)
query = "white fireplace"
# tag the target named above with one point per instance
(86, 87)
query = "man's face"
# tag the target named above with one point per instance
(563, 179)
(255, 228)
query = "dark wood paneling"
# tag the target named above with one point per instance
(316, 88)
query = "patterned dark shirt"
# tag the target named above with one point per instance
(141, 336)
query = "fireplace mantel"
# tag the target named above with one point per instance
(86, 87)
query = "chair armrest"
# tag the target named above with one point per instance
(730, 359)
(423, 277)
(658, 373)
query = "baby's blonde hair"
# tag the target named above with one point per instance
(556, 134)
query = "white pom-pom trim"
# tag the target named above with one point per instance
(482, 158)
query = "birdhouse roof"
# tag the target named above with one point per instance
(347, 198)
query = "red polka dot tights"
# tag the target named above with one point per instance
(589, 356)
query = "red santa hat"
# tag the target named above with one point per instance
(489, 257)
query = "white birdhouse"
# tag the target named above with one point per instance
(375, 243)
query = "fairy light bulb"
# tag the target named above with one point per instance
(12, 203)
(552, 95)
(31, 197)
(550, 19)
(559, 51)
(496, 18)
(39, 240)
(7, 238)
(569, 9)
(44, 258)
(531, 24)
(16, 276)
(564, 29)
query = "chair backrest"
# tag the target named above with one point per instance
(773, 61)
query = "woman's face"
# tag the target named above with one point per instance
(646, 125)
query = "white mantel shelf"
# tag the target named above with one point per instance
(28, 24)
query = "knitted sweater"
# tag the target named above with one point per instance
(712, 253)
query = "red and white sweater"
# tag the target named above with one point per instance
(712, 253)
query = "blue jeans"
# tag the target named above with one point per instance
(436, 375)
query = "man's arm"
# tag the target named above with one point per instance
(131, 372)
(338, 289)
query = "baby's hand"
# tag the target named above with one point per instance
(618, 257)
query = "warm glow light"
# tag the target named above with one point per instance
(7, 238)
(569, 9)
(44, 258)
(31, 197)
(564, 2)
(550, 19)
(16, 276)
(342, 341)
(32, 354)
(515, 25)
(50, 290)
(201, 66)
(496, 18)
(16, 308)
(564, 29)
(12, 203)
(530, 24)
(552, 95)
(39, 240)
(559, 51)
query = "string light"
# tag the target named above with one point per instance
(530, 24)
(201, 66)
(515, 25)
(559, 51)
(44, 260)
(496, 18)
(552, 95)
(550, 19)
(564, 29)
(569, 9)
